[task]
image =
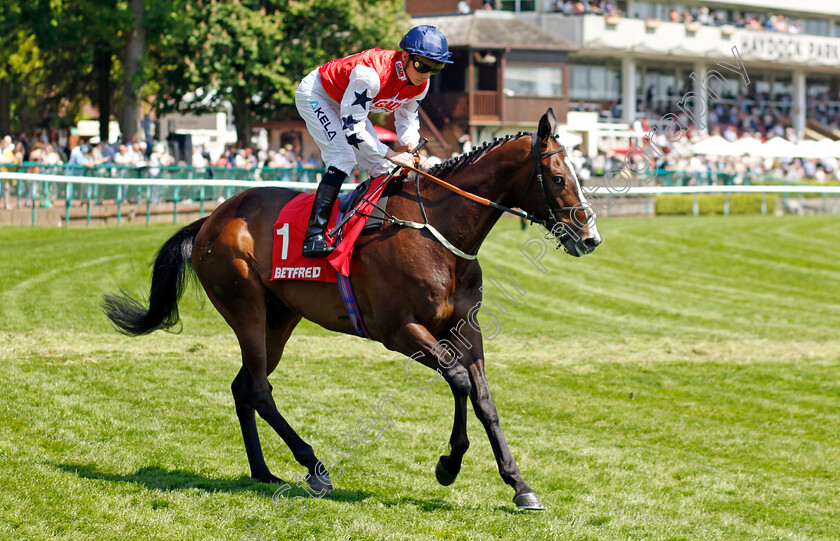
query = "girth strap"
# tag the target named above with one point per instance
(435, 233)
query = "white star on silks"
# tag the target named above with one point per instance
(354, 140)
(362, 99)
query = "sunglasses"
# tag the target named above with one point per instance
(422, 67)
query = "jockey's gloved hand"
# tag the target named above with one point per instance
(404, 159)
(420, 162)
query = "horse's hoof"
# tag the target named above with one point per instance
(267, 478)
(320, 484)
(529, 501)
(443, 476)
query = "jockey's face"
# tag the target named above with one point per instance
(420, 69)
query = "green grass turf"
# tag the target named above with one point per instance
(679, 383)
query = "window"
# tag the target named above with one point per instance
(817, 27)
(782, 87)
(650, 10)
(534, 80)
(644, 10)
(579, 82)
(594, 82)
(518, 5)
(817, 87)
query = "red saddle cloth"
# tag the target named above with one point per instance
(290, 228)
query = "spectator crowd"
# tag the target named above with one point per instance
(734, 113)
(677, 13)
(52, 153)
(679, 164)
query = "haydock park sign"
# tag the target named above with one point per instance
(789, 48)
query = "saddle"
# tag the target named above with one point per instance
(348, 202)
(290, 228)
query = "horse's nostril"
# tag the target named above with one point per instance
(591, 243)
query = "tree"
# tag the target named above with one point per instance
(80, 40)
(321, 30)
(76, 51)
(9, 22)
(150, 22)
(20, 64)
(63, 52)
(222, 52)
(252, 53)
(132, 73)
(200, 55)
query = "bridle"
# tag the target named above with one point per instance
(551, 223)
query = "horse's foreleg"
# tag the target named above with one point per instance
(449, 465)
(413, 339)
(485, 410)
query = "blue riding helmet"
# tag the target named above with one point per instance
(426, 41)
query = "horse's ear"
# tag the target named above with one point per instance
(548, 124)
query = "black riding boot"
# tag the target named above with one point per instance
(315, 242)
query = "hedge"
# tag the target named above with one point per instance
(713, 204)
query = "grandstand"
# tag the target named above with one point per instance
(617, 67)
(637, 57)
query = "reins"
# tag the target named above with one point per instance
(536, 172)
(477, 198)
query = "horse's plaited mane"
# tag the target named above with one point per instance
(452, 164)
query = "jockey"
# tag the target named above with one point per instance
(336, 99)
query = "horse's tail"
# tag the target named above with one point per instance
(169, 278)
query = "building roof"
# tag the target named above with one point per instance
(494, 30)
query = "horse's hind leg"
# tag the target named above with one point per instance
(247, 421)
(261, 334)
(280, 322)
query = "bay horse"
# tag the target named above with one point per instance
(410, 288)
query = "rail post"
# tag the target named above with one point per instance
(68, 202)
(119, 204)
(89, 197)
(175, 205)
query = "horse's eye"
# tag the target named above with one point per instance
(559, 180)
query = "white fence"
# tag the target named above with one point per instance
(86, 192)
(603, 196)
(42, 191)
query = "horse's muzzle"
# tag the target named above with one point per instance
(590, 244)
(581, 247)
